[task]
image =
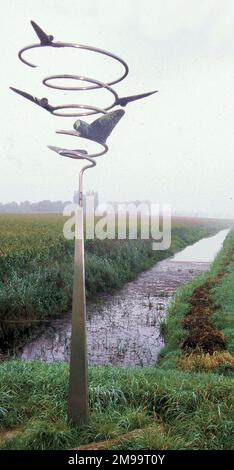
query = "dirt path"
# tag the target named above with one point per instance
(108, 443)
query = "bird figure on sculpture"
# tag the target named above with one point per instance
(100, 129)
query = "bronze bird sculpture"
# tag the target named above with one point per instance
(42, 102)
(127, 99)
(100, 129)
(45, 39)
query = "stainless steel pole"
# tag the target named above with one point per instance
(78, 406)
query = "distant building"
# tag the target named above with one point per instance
(93, 194)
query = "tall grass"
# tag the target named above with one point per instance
(34, 403)
(36, 280)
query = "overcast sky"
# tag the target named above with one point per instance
(176, 147)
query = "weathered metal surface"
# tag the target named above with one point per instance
(101, 128)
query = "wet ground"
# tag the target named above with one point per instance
(123, 329)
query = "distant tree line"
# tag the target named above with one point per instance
(33, 207)
(27, 207)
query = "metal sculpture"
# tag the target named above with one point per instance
(98, 132)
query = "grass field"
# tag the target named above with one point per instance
(172, 409)
(36, 268)
(180, 404)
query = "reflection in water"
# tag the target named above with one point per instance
(123, 329)
(203, 251)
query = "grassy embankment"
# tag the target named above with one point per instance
(199, 330)
(36, 268)
(160, 408)
(170, 409)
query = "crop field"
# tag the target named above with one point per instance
(36, 267)
(27, 233)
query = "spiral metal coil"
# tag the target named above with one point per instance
(79, 109)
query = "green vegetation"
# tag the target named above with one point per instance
(223, 295)
(185, 402)
(183, 411)
(36, 268)
(199, 330)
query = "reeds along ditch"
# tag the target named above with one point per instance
(162, 404)
(36, 268)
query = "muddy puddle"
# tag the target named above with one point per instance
(123, 329)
